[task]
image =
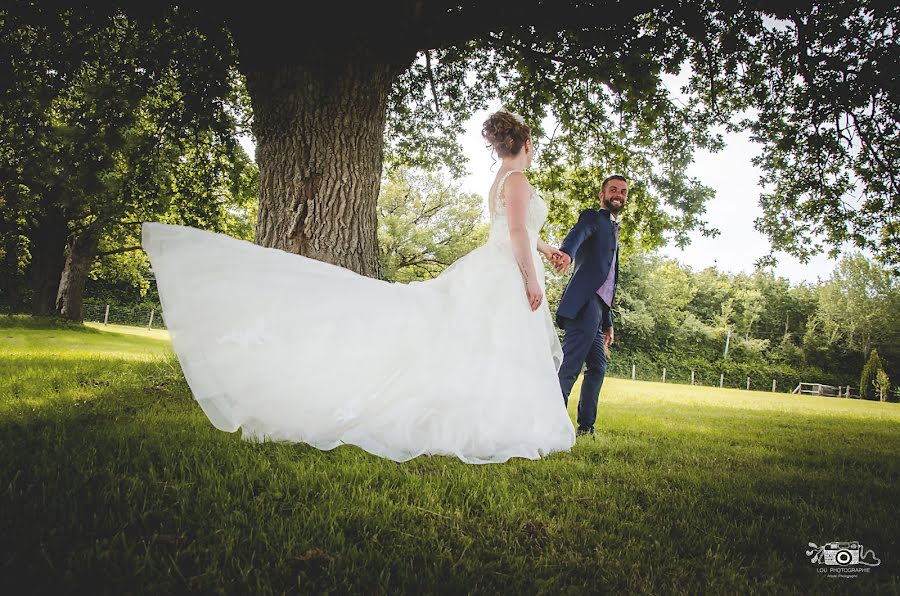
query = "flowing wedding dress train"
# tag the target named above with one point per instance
(284, 347)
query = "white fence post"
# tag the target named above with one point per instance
(773, 385)
(748, 383)
(106, 316)
(664, 374)
(150, 324)
(632, 371)
(721, 380)
(692, 377)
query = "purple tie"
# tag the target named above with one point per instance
(608, 289)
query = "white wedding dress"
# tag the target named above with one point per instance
(288, 348)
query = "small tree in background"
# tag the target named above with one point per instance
(869, 374)
(882, 385)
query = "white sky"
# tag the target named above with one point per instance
(729, 172)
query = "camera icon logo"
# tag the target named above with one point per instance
(842, 554)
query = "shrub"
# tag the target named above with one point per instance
(869, 374)
(882, 385)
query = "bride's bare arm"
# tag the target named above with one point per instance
(516, 194)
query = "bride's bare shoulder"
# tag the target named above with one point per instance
(516, 185)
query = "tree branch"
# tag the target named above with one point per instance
(867, 145)
(107, 253)
(427, 212)
(437, 104)
(565, 61)
(419, 262)
(443, 24)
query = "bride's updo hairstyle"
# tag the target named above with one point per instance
(506, 132)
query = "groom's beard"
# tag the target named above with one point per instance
(614, 206)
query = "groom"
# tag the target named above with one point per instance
(584, 311)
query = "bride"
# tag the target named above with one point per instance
(288, 348)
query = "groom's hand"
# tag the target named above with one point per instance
(562, 261)
(608, 337)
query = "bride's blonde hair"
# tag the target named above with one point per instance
(506, 132)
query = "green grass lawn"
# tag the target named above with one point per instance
(112, 480)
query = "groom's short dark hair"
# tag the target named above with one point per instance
(613, 177)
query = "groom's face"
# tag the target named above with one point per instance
(614, 196)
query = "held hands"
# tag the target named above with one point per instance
(560, 260)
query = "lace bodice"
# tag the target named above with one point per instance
(534, 219)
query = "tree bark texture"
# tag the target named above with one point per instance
(82, 251)
(320, 136)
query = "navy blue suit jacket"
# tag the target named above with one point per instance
(592, 246)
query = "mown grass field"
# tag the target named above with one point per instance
(112, 480)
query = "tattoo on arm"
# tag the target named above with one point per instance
(523, 269)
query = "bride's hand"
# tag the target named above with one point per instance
(550, 252)
(535, 295)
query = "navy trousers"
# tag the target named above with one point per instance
(583, 345)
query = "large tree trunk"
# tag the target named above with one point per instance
(82, 251)
(320, 135)
(48, 254)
